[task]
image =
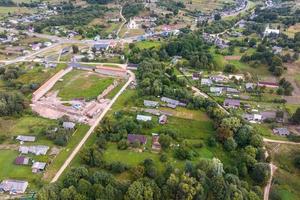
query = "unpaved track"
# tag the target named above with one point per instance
(91, 130)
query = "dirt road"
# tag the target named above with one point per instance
(91, 130)
(268, 186)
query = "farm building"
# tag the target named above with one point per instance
(69, 125)
(267, 84)
(268, 115)
(13, 186)
(25, 138)
(37, 150)
(38, 167)
(144, 118)
(111, 71)
(142, 139)
(231, 103)
(149, 103)
(22, 160)
(281, 131)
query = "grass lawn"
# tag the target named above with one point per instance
(82, 84)
(26, 125)
(287, 177)
(38, 75)
(267, 132)
(148, 44)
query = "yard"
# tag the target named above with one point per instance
(82, 84)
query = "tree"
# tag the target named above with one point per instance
(261, 173)
(296, 117)
(75, 49)
(297, 161)
(165, 141)
(92, 157)
(143, 189)
(230, 144)
(230, 68)
(217, 17)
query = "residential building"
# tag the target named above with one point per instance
(196, 76)
(142, 139)
(22, 160)
(149, 103)
(38, 167)
(206, 81)
(231, 103)
(232, 90)
(13, 186)
(268, 115)
(163, 119)
(101, 47)
(37, 150)
(25, 138)
(281, 131)
(268, 31)
(249, 87)
(216, 90)
(253, 118)
(69, 125)
(172, 101)
(219, 78)
(143, 118)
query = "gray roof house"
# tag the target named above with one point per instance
(249, 86)
(281, 131)
(206, 81)
(13, 186)
(216, 90)
(37, 150)
(143, 118)
(38, 167)
(149, 103)
(69, 125)
(231, 103)
(172, 101)
(25, 138)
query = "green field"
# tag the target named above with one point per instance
(286, 179)
(82, 84)
(10, 170)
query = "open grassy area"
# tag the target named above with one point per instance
(82, 84)
(12, 171)
(287, 178)
(148, 44)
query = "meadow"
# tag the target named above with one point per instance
(81, 84)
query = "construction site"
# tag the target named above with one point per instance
(48, 101)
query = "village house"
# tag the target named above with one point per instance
(268, 31)
(217, 91)
(132, 24)
(38, 167)
(236, 76)
(149, 103)
(206, 82)
(142, 139)
(143, 118)
(22, 160)
(253, 118)
(155, 142)
(163, 119)
(196, 76)
(281, 131)
(25, 138)
(68, 125)
(232, 90)
(219, 78)
(172, 102)
(231, 103)
(249, 87)
(13, 186)
(37, 150)
(267, 84)
(101, 47)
